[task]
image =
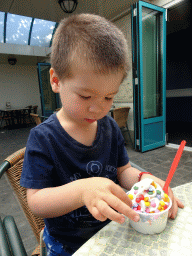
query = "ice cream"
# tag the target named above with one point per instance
(148, 197)
(152, 205)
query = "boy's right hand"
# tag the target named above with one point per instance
(106, 200)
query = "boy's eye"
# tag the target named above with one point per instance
(88, 97)
(108, 98)
(85, 97)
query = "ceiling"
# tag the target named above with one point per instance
(21, 59)
(179, 17)
(50, 9)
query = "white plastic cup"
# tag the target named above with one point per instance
(151, 223)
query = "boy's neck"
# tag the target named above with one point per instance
(83, 133)
(66, 121)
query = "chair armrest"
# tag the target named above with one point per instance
(4, 167)
(4, 246)
(15, 241)
(137, 167)
(43, 251)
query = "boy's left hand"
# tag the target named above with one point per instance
(175, 204)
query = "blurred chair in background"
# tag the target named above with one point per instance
(121, 116)
(36, 118)
(34, 110)
(25, 115)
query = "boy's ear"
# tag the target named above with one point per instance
(54, 80)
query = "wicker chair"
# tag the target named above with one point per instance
(36, 118)
(34, 109)
(121, 115)
(12, 165)
(5, 118)
(10, 239)
(25, 115)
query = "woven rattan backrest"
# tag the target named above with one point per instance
(36, 118)
(35, 109)
(121, 115)
(14, 175)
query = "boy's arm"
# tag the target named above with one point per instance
(55, 201)
(103, 198)
(128, 176)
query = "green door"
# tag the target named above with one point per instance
(149, 75)
(49, 100)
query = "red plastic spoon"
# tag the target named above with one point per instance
(174, 166)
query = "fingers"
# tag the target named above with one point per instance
(97, 215)
(179, 203)
(174, 209)
(119, 193)
(105, 210)
(122, 203)
(107, 201)
(112, 203)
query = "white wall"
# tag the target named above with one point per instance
(126, 90)
(125, 96)
(19, 85)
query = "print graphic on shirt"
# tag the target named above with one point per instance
(94, 168)
(80, 213)
(76, 176)
(111, 173)
(110, 169)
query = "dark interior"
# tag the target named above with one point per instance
(179, 74)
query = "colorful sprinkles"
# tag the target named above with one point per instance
(147, 196)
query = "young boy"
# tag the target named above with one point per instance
(76, 160)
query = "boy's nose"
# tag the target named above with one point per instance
(96, 108)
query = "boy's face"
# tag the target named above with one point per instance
(86, 96)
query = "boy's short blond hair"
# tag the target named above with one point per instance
(92, 38)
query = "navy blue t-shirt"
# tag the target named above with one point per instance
(53, 158)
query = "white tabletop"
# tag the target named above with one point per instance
(116, 239)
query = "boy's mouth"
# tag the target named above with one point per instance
(90, 120)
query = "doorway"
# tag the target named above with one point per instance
(179, 75)
(50, 101)
(149, 70)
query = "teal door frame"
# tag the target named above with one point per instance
(150, 130)
(46, 112)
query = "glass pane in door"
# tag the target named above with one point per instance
(152, 62)
(49, 97)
